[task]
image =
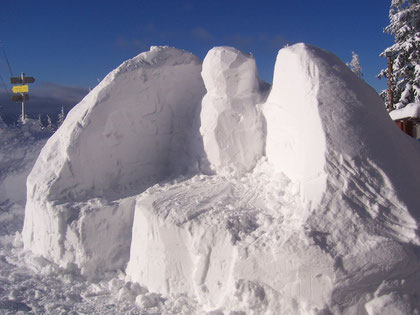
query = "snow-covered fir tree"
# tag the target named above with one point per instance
(41, 123)
(404, 25)
(50, 125)
(61, 117)
(354, 65)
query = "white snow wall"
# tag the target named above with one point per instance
(319, 115)
(231, 125)
(295, 142)
(131, 131)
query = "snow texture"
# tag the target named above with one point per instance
(411, 110)
(131, 131)
(326, 221)
(231, 126)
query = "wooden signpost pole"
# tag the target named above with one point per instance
(390, 92)
(21, 91)
(22, 76)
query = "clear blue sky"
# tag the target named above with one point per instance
(76, 42)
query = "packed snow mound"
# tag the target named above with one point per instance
(134, 129)
(231, 125)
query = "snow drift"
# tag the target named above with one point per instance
(325, 222)
(131, 131)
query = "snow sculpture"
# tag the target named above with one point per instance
(250, 243)
(131, 131)
(231, 126)
(327, 223)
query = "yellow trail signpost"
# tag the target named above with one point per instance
(20, 89)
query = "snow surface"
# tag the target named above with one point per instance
(411, 110)
(326, 221)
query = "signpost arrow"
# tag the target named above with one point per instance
(20, 89)
(18, 80)
(20, 97)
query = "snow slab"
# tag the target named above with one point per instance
(411, 110)
(325, 223)
(243, 245)
(231, 125)
(132, 130)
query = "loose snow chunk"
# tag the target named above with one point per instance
(231, 126)
(132, 130)
(411, 110)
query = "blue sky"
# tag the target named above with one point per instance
(74, 43)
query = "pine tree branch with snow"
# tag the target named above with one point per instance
(354, 65)
(404, 25)
(61, 117)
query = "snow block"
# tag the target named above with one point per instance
(132, 130)
(231, 125)
(188, 247)
(89, 236)
(173, 254)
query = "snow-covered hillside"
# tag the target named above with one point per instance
(19, 148)
(191, 181)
